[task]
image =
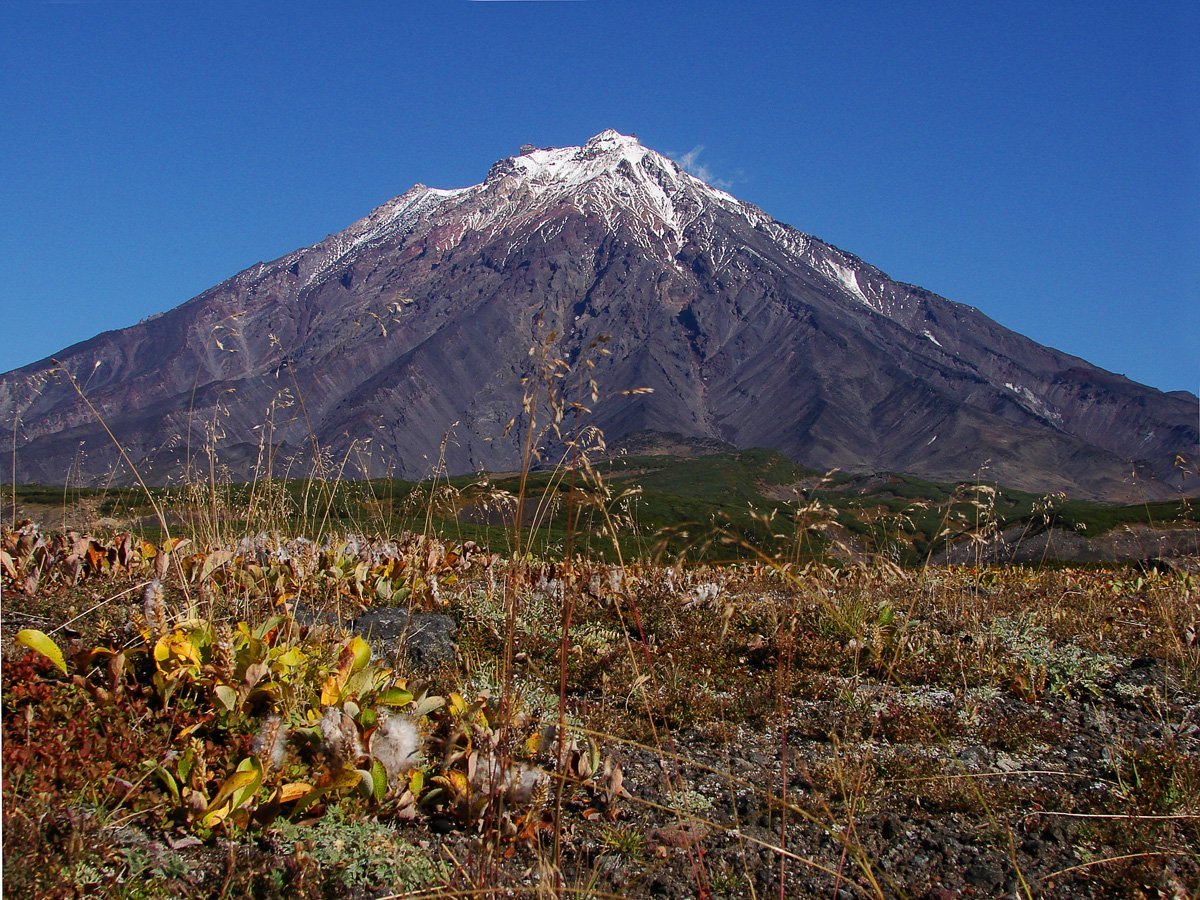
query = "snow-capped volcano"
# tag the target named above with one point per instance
(749, 332)
(646, 197)
(612, 176)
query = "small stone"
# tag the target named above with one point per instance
(983, 875)
(975, 758)
(441, 825)
(1054, 834)
(888, 828)
(1006, 763)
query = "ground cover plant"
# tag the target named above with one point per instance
(779, 725)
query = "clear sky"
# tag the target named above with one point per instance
(1039, 161)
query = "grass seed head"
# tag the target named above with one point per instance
(154, 608)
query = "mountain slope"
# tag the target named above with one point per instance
(374, 342)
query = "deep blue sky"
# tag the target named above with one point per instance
(1039, 161)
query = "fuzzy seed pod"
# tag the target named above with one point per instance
(396, 743)
(340, 734)
(155, 610)
(331, 730)
(351, 748)
(270, 744)
(519, 783)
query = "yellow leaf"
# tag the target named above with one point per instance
(237, 789)
(534, 744)
(331, 691)
(362, 652)
(455, 783)
(347, 778)
(40, 642)
(293, 791)
(171, 543)
(178, 645)
(292, 658)
(216, 816)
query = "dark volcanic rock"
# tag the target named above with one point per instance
(422, 640)
(379, 339)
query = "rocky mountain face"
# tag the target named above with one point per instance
(367, 348)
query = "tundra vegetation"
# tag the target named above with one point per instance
(666, 679)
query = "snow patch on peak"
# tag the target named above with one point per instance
(611, 176)
(447, 192)
(611, 136)
(701, 185)
(1033, 403)
(398, 211)
(847, 277)
(398, 214)
(573, 166)
(608, 153)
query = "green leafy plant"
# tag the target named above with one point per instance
(362, 854)
(1033, 664)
